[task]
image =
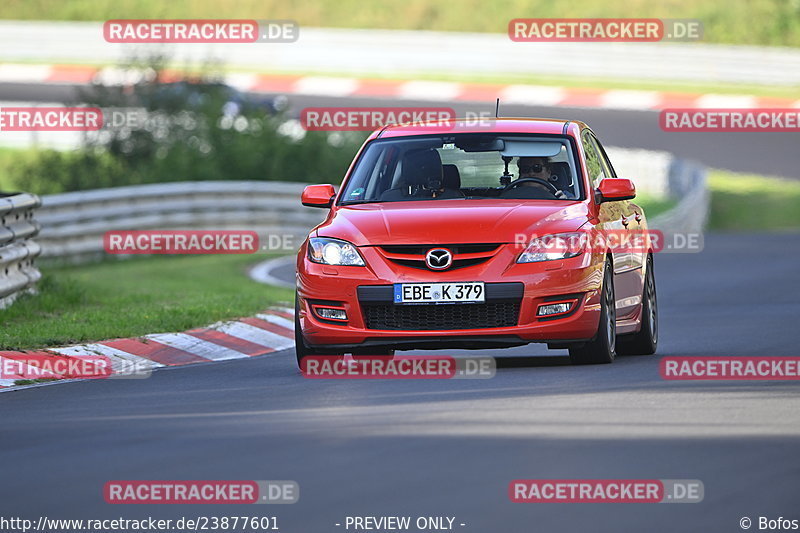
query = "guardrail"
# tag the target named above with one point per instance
(18, 274)
(662, 175)
(73, 224)
(649, 169)
(687, 183)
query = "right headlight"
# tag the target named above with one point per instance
(553, 247)
(335, 252)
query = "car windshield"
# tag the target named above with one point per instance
(465, 166)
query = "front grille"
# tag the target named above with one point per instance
(422, 249)
(457, 263)
(413, 255)
(441, 317)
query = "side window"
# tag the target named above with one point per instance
(594, 164)
(604, 158)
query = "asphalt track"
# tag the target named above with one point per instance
(772, 154)
(450, 448)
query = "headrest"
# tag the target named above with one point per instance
(421, 166)
(451, 179)
(562, 173)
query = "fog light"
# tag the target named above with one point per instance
(329, 313)
(554, 309)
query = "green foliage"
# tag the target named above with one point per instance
(194, 130)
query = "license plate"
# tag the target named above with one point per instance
(439, 293)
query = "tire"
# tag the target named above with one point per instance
(301, 349)
(602, 348)
(645, 342)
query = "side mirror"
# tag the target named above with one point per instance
(318, 196)
(615, 189)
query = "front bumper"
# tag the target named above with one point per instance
(365, 293)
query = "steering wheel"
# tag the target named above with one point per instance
(552, 188)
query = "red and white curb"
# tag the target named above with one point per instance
(264, 333)
(520, 94)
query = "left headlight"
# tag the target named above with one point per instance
(333, 252)
(553, 247)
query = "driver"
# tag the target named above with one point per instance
(536, 167)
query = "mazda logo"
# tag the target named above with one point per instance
(438, 259)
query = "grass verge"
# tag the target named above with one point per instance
(79, 304)
(747, 202)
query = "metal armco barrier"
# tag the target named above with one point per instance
(73, 224)
(18, 273)
(661, 175)
(687, 183)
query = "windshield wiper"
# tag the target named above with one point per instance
(357, 202)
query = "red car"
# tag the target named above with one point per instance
(442, 235)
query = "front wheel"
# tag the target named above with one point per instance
(645, 342)
(601, 349)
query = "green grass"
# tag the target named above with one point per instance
(654, 206)
(134, 297)
(34, 381)
(767, 22)
(747, 202)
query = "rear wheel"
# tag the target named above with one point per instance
(601, 349)
(301, 349)
(645, 342)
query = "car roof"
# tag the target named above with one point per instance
(547, 126)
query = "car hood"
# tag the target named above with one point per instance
(452, 221)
